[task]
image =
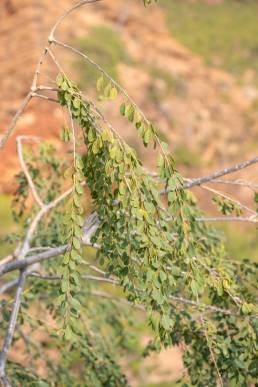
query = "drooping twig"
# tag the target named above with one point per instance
(213, 358)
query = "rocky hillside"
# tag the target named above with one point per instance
(206, 117)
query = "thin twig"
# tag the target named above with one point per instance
(34, 192)
(226, 171)
(216, 192)
(202, 305)
(45, 97)
(101, 294)
(222, 172)
(235, 182)
(228, 219)
(12, 126)
(211, 352)
(12, 323)
(102, 71)
(68, 12)
(9, 285)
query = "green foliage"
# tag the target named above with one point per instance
(149, 243)
(70, 283)
(163, 259)
(224, 34)
(227, 206)
(25, 376)
(46, 170)
(152, 255)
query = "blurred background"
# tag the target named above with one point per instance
(192, 66)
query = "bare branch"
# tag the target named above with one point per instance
(89, 228)
(28, 261)
(45, 97)
(226, 171)
(9, 285)
(228, 219)
(37, 71)
(97, 293)
(215, 309)
(15, 119)
(68, 12)
(235, 182)
(33, 89)
(12, 323)
(34, 192)
(222, 172)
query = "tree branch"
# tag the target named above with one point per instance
(68, 12)
(11, 326)
(228, 219)
(12, 126)
(25, 169)
(222, 172)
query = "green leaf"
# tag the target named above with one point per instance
(122, 188)
(75, 303)
(107, 90)
(59, 79)
(75, 255)
(64, 285)
(68, 172)
(122, 109)
(77, 201)
(166, 322)
(130, 112)
(79, 163)
(79, 188)
(68, 333)
(113, 93)
(247, 308)
(112, 152)
(66, 258)
(100, 83)
(162, 276)
(76, 244)
(95, 147)
(194, 288)
(76, 103)
(91, 135)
